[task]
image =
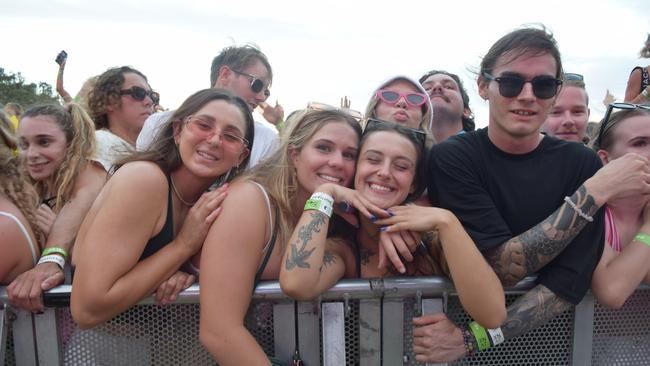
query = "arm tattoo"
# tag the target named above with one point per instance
(533, 309)
(365, 255)
(533, 249)
(299, 255)
(328, 258)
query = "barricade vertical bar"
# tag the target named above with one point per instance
(24, 346)
(308, 332)
(432, 306)
(393, 326)
(333, 323)
(47, 338)
(284, 330)
(3, 333)
(369, 332)
(583, 331)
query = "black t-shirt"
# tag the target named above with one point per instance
(498, 196)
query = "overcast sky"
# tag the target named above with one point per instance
(319, 51)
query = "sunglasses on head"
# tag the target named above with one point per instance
(139, 94)
(392, 97)
(378, 124)
(511, 85)
(256, 84)
(573, 77)
(317, 106)
(608, 114)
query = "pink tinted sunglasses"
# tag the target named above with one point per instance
(392, 97)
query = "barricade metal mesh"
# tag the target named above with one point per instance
(10, 357)
(622, 337)
(152, 335)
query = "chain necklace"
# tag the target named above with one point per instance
(180, 198)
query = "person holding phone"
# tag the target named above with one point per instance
(61, 59)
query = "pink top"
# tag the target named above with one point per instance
(611, 234)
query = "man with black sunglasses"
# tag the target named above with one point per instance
(244, 71)
(531, 203)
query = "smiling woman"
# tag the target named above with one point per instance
(133, 246)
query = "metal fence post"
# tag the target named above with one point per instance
(47, 338)
(333, 323)
(24, 345)
(284, 330)
(393, 329)
(308, 334)
(583, 331)
(433, 306)
(369, 332)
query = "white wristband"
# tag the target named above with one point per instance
(320, 201)
(53, 258)
(496, 335)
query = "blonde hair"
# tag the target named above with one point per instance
(79, 131)
(13, 181)
(278, 174)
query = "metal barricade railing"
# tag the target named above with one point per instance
(357, 322)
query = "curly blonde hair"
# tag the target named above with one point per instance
(13, 180)
(79, 132)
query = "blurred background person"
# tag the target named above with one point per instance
(638, 84)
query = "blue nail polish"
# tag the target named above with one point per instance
(373, 218)
(383, 228)
(391, 213)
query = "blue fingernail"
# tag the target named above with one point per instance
(373, 218)
(383, 228)
(391, 213)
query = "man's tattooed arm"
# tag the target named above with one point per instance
(528, 252)
(299, 254)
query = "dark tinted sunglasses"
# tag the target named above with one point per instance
(256, 84)
(139, 94)
(608, 114)
(378, 124)
(510, 86)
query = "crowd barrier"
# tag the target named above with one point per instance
(357, 322)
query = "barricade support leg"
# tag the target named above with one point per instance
(333, 324)
(393, 327)
(308, 332)
(284, 330)
(433, 306)
(3, 333)
(583, 331)
(47, 338)
(24, 345)
(369, 332)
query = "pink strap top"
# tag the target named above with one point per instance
(611, 234)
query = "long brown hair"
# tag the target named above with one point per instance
(278, 174)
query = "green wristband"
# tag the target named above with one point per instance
(481, 336)
(55, 250)
(643, 238)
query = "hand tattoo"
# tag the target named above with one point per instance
(531, 250)
(298, 256)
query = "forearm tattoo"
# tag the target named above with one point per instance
(531, 310)
(299, 256)
(328, 259)
(528, 252)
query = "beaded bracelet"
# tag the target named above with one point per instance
(468, 339)
(580, 213)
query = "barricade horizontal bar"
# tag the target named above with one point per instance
(351, 289)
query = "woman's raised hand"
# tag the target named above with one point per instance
(200, 218)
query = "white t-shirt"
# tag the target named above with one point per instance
(110, 148)
(265, 142)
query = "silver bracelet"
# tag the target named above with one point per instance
(567, 199)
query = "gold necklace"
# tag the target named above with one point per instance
(180, 198)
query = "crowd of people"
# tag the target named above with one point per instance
(139, 203)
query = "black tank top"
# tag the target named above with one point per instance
(166, 234)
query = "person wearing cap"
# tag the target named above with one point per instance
(569, 116)
(451, 112)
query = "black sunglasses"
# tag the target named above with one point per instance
(139, 94)
(608, 114)
(256, 84)
(377, 124)
(544, 86)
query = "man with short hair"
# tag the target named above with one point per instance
(531, 203)
(451, 112)
(570, 114)
(245, 72)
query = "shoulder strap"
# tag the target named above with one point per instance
(23, 230)
(269, 250)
